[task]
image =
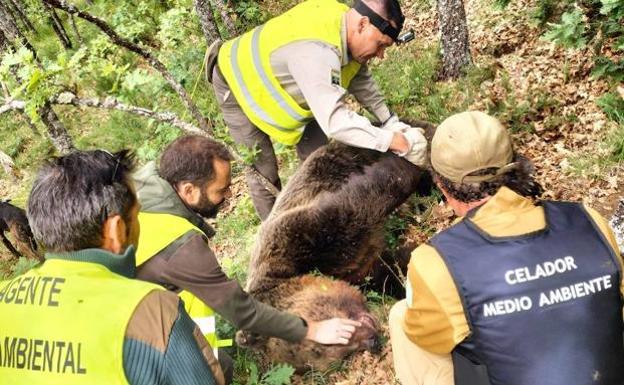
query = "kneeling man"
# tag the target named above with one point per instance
(520, 291)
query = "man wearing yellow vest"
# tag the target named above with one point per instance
(78, 318)
(519, 290)
(287, 80)
(190, 183)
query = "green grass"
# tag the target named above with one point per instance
(10, 269)
(408, 78)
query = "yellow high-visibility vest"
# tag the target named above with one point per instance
(65, 322)
(159, 230)
(246, 67)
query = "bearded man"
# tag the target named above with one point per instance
(191, 182)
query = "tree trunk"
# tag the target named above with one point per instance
(11, 32)
(19, 9)
(228, 22)
(454, 38)
(207, 21)
(56, 130)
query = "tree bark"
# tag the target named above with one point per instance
(7, 164)
(204, 123)
(75, 28)
(10, 30)
(56, 130)
(19, 9)
(454, 38)
(59, 29)
(228, 22)
(207, 21)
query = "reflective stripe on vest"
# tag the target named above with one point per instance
(65, 323)
(543, 308)
(158, 230)
(246, 67)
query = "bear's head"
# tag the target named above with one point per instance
(316, 298)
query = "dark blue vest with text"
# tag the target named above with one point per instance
(543, 308)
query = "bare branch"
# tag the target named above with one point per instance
(68, 98)
(12, 105)
(57, 26)
(75, 28)
(204, 124)
(56, 130)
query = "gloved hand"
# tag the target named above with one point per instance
(395, 125)
(417, 154)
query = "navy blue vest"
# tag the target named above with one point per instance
(543, 308)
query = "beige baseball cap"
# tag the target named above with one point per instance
(469, 142)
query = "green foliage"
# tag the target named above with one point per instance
(597, 22)
(250, 14)
(613, 106)
(608, 68)
(501, 3)
(279, 374)
(570, 32)
(394, 227)
(235, 236)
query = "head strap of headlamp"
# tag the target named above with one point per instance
(382, 24)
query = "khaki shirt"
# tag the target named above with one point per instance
(304, 69)
(435, 318)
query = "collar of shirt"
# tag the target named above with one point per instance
(509, 214)
(123, 264)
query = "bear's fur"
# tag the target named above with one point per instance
(14, 221)
(330, 216)
(317, 298)
(328, 219)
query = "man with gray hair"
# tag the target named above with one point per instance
(79, 318)
(287, 79)
(520, 291)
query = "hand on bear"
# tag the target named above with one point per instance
(412, 145)
(332, 331)
(417, 153)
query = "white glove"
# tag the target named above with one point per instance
(417, 154)
(395, 125)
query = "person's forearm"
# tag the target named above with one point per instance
(246, 313)
(365, 90)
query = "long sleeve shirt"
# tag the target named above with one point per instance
(305, 68)
(189, 264)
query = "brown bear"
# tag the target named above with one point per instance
(328, 219)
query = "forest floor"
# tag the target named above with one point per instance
(543, 93)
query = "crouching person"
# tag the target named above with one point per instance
(191, 183)
(79, 318)
(520, 291)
